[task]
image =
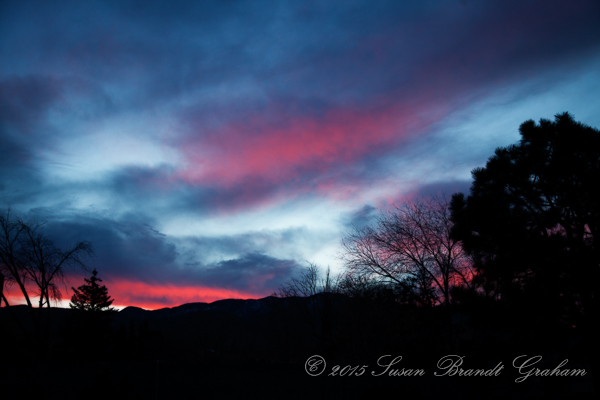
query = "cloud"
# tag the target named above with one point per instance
(127, 249)
(254, 132)
(287, 147)
(361, 218)
(25, 100)
(254, 272)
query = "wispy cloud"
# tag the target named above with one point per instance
(256, 133)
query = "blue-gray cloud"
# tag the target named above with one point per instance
(128, 248)
(364, 91)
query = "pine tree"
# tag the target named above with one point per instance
(91, 296)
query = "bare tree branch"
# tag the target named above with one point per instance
(410, 245)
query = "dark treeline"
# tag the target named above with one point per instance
(510, 269)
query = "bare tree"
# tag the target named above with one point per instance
(44, 264)
(28, 258)
(1, 287)
(318, 312)
(11, 265)
(410, 248)
(309, 283)
(31, 261)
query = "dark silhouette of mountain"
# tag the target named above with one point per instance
(240, 308)
(232, 348)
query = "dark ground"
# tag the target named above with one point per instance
(258, 348)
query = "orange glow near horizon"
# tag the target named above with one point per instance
(152, 297)
(148, 296)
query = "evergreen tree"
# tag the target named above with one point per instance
(91, 296)
(532, 219)
(532, 225)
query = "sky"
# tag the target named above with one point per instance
(211, 150)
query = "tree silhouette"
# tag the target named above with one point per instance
(91, 296)
(532, 214)
(532, 221)
(1, 287)
(309, 283)
(320, 290)
(31, 261)
(410, 249)
(28, 257)
(91, 320)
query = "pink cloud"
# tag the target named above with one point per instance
(282, 152)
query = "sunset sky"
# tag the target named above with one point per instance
(211, 150)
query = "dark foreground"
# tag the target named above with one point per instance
(188, 380)
(260, 348)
